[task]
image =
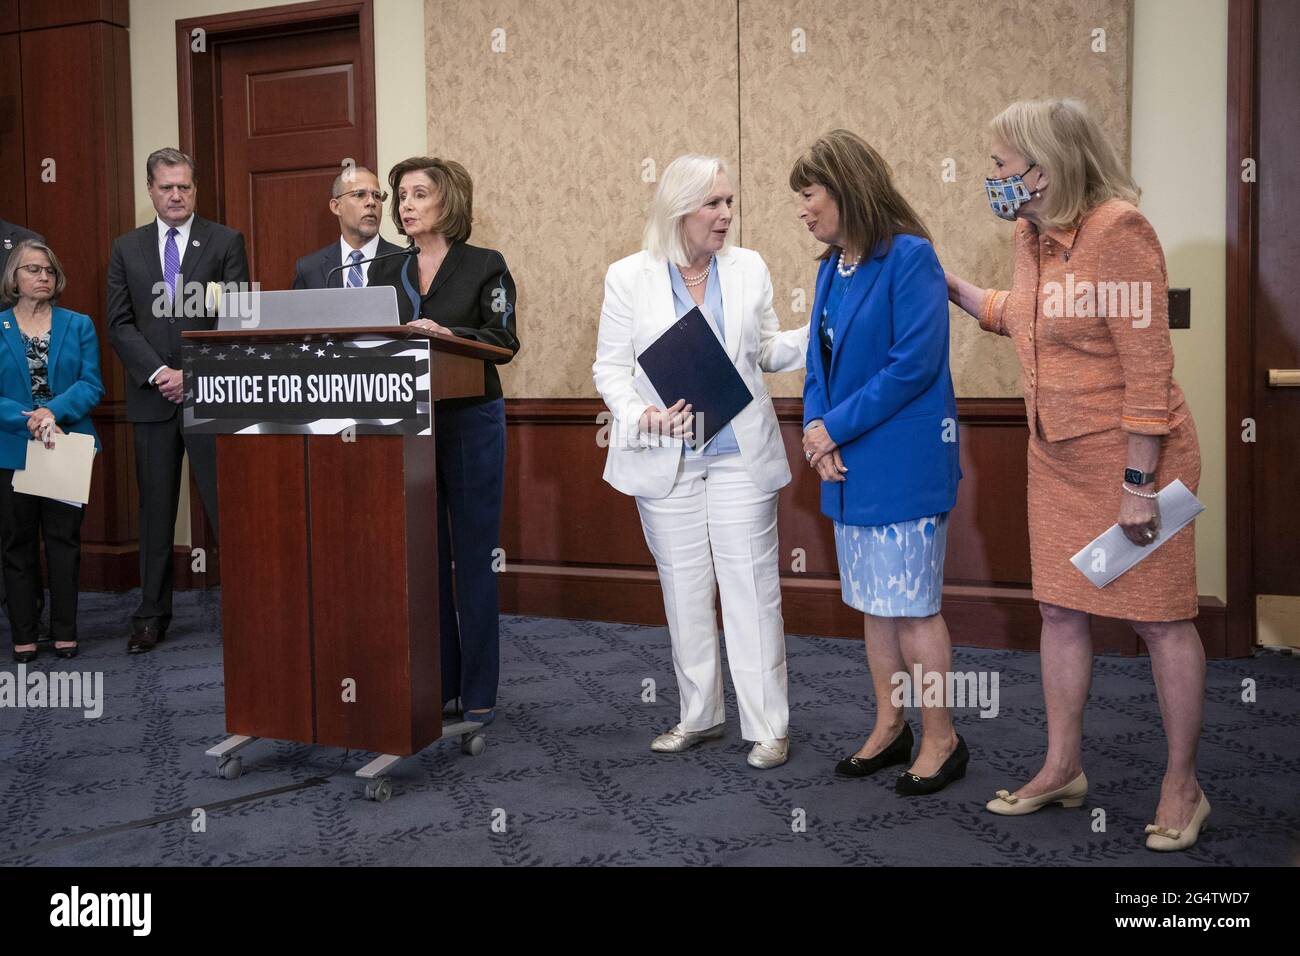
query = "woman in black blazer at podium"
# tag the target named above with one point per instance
(447, 285)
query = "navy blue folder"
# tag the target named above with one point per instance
(687, 361)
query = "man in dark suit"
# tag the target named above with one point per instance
(359, 203)
(10, 236)
(153, 273)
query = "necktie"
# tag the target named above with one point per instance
(355, 279)
(171, 263)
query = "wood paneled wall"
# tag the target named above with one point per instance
(574, 546)
(65, 143)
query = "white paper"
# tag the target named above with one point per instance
(62, 472)
(1110, 554)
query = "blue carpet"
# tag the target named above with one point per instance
(568, 768)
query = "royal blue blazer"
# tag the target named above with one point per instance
(887, 397)
(73, 377)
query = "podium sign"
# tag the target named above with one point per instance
(311, 385)
(329, 547)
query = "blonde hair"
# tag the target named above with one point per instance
(682, 189)
(871, 209)
(1082, 168)
(9, 281)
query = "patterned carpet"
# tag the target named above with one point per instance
(569, 770)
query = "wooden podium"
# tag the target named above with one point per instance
(329, 563)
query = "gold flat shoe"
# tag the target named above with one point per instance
(1009, 805)
(1165, 839)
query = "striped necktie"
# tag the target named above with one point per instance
(355, 279)
(171, 263)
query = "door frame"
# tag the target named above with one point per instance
(1242, 236)
(197, 95)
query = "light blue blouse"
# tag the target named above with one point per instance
(724, 442)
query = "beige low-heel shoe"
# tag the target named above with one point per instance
(1164, 839)
(1010, 805)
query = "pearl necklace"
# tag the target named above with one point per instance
(847, 272)
(696, 280)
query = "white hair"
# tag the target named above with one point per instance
(683, 187)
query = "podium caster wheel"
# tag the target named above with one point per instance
(231, 768)
(379, 790)
(473, 744)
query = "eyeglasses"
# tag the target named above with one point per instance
(35, 270)
(361, 195)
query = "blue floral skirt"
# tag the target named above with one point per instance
(893, 570)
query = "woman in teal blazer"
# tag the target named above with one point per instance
(49, 382)
(880, 429)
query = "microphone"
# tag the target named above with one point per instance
(412, 248)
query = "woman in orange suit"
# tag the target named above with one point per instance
(1088, 314)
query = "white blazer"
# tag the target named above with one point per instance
(638, 307)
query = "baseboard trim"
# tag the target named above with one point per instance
(977, 615)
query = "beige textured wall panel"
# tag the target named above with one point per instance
(556, 130)
(919, 81)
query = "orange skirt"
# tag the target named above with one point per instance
(1075, 494)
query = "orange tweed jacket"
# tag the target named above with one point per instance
(1088, 311)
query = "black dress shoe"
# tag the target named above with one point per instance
(900, 751)
(24, 657)
(954, 768)
(144, 640)
(66, 652)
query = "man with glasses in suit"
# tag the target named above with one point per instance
(358, 202)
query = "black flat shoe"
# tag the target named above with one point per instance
(900, 751)
(24, 657)
(66, 652)
(954, 768)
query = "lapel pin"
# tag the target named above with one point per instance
(194, 243)
(6, 325)
(9, 243)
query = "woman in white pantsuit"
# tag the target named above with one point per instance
(709, 514)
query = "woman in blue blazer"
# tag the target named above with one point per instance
(880, 429)
(49, 382)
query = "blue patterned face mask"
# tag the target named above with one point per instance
(1008, 195)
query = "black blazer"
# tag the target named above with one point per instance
(310, 271)
(10, 236)
(143, 341)
(473, 295)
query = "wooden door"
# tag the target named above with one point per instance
(1263, 325)
(271, 103)
(292, 110)
(1275, 371)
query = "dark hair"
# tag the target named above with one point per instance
(455, 192)
(871, 208)
(167, 157)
